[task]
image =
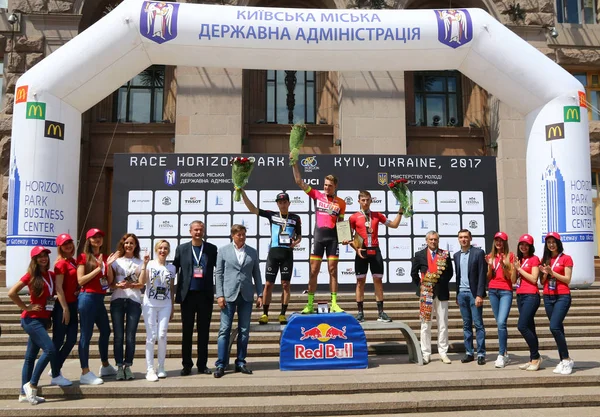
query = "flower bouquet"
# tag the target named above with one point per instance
(241, 168)
(297, 136)
(403, 195)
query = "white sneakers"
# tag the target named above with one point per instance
(445, 359)
(23, 399)
(30, 394)
(161, 372)
(151, 375)
(107, 370)
(502, 361)
(61, 381)
(564, 367)
(426, 359)
(90, 379)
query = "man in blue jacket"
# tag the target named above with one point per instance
(471, 268)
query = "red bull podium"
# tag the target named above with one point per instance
(323, 341)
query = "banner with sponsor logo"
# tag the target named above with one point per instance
(559, 171)
(323, 341)
(160, 195)
(43, 176)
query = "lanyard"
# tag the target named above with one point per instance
(199, 257)
(524, 264)
(284, 226)
(101, 265)
(49, 284)
(557, 258)
(496, 265)
(72, 263)
(367, 220)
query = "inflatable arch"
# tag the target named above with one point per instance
(51, 97)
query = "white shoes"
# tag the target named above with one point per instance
(61, 381)
(107, 370)
(90, 379)
(502, 361)
(30, 394)
(445, 359)
(567, 367)
(23, 399)
(151, 375)
(161, 372)
(426, 359)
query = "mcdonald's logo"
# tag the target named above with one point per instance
(21, 94)
(555, 131)
(582, 100)
(36, 111)
(572, 114)
(54, 130)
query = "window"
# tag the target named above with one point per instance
(591, 82)
(437, 99)
(140, 100)
(576, 11)
(303, 105)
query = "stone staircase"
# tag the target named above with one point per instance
(390, 386)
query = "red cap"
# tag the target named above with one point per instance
(527, 239)
(37, 250)
(501, 235)
(63, 238)
(93, 232)
(554, 235)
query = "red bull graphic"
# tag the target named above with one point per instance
(323, 341)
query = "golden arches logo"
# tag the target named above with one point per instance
(54, 130)
(36, 111)
(555, 131)
(572, 114)
(21, 94)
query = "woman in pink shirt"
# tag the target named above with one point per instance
(501, 277)
(527, 267)
(556, 269)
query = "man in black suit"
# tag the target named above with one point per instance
(195, 263)
(433, 264)
(471, 271)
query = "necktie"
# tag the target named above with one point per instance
(432, 255)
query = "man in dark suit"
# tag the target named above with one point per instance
(430, 264)
(237, 277)
(195, 262)
(471, 270)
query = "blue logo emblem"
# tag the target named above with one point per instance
(455, 27)
(170, 177)
(158, 21)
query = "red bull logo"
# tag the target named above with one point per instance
(323, 333)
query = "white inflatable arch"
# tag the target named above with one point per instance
(51, 97)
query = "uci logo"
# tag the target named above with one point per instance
(309, 161)
(312, 181)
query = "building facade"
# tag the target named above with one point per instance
(169, 109)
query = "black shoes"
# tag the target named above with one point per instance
(219, 372)
(243, 369)
(467, 359)
(204, 371)
(481, 360)
(186, 371)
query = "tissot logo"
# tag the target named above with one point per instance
(192, 200)
(400, 272)
(376, 200)
(348, 271)
(555, 131)
(54, 130)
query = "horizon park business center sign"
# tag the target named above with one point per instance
(51, 97)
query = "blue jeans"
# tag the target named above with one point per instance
(557, 307)
(125, 315)
(244, 310)
(501, 301)
(38, 339)
(471, 315)
(92, 310)
(61, 330)
(528, 305)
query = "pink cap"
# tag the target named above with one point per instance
(63, 238)
(554, 235)
(527, 239)
(37, 250)
(501, 235)
(92, 232)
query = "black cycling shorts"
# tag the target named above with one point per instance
(373, 260)
(279, 260)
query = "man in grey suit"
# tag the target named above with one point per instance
(471, 271)
(237, 267)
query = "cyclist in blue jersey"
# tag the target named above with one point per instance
(286, 233)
